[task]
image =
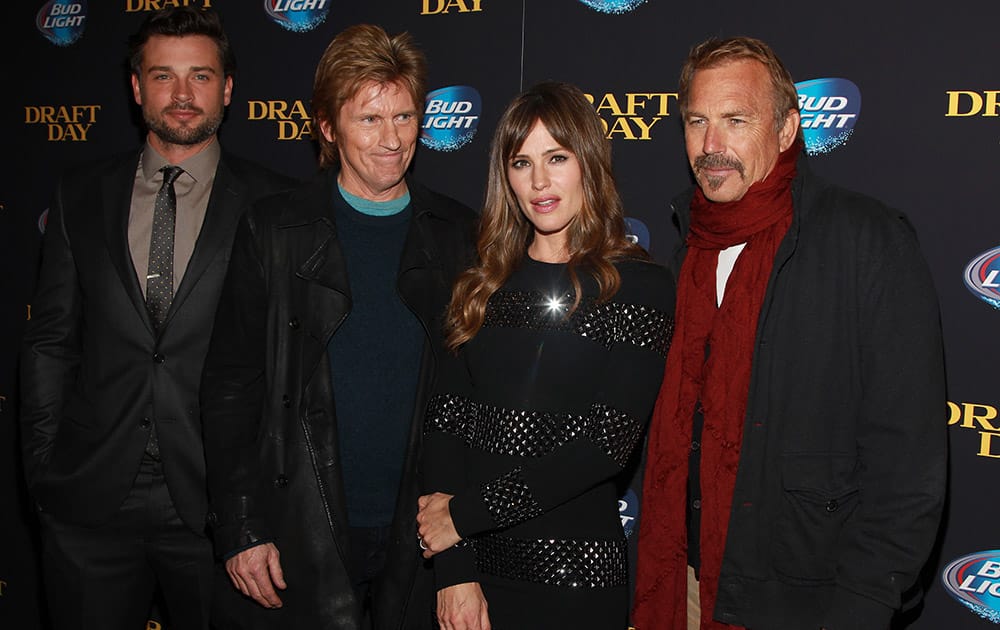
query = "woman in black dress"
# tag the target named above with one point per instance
(558, 333)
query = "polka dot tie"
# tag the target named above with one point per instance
(160, 276)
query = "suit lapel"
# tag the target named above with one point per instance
(115, 199)
(223, 212)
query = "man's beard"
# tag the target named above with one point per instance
(717, 160)
(183, 136)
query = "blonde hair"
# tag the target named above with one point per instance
(358, 55)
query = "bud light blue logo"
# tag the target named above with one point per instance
(451, 117)
(829, 108)
(628, 509)
(297, 16)
(62, 21)
(637, 232)
(613, 6)
(974, 580)
(43, 220)
(982, 277)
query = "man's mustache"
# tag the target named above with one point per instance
(718, 160)
(183, 107)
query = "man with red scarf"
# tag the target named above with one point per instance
(801, 419)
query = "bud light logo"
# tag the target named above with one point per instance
(974, 580)
(637, 232)
(451, 117)
(613, 6)
(62, 21)
(628, 509)
(982, 277)
(43, 220)
(297, 16)
(829, 108)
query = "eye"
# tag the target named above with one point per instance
(736, 122)
(519, 163)
(404, 117)
(558, 158)
(202, 77)
(695, 122)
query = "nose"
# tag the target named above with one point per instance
(713, 142)
(390, 136)
(539, 178)
(182, 92)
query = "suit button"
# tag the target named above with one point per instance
(832, 505)
(281, 481)
(159, 358)
(286, 402)
(293, 323)
(144, 423)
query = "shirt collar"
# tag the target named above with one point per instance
(200, 166)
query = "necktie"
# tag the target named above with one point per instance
(160, 276)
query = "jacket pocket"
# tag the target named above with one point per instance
(819, 495)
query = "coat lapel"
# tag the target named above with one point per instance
(115, 199)
(223, 212)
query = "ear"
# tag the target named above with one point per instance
(789, 130)
(327, 130)
(136, 93)
(227, 91)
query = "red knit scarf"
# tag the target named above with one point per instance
(720, 384)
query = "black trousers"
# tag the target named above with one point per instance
(368, 545)
(105, 578)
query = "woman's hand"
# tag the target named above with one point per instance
(434, 525)
(462, 606)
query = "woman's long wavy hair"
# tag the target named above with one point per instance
(595, 237)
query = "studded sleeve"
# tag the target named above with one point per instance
(555, 455)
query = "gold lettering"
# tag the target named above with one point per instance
(953, 103)
(970, 417)
(290, 130)
(29, 313)
(443, 6)
(986, 445)
(992, 107)
(276, 109)
(609, 102)
(621, 126)
(71, 132)
(73, 114)
(643, 127)
(299, 110)
(954, 413)
(132, 6)
(257, 110)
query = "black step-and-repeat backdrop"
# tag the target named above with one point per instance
(899, 101)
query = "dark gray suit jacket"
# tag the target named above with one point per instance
(94, 371)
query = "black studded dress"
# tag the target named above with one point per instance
(529, 426)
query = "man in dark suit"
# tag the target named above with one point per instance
(133, 261)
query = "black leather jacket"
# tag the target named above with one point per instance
(268, 411)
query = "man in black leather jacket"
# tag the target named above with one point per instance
(325, 346)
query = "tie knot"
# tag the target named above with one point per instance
(170, 174)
